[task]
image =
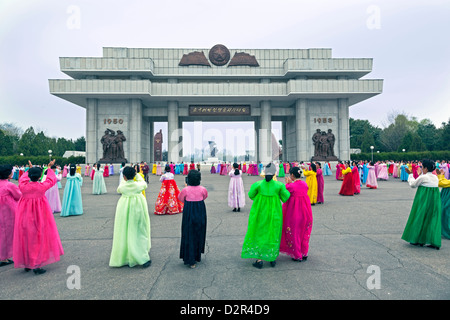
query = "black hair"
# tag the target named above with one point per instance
(194, 177)
(295, 171)
(72, 169)
(313, 167)
(98, 166)
(429, 164)
(236, 167)
(129, 172)
(318, 163)
(34, 173)
(167, 168)
(5, 171)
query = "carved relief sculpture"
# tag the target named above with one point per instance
(112, 145)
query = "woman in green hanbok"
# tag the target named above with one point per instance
(445, 203)
(424, 223)
(131, 239)
(262, 241)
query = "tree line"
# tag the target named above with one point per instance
(402, 134)
(14, 142)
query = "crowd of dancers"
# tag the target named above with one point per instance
(280, 217)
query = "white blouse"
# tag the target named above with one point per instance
(425, 180)
(167, 176)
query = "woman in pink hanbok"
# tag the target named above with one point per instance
(244, 168)
(86, 170)
(9, 197)
(223, 169)
(64, 174)
(297, 218)
(236, 193)
(93, 171)
(36, 237)
(371, 181)
(383, 171)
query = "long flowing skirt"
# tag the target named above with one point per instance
(167, 201)
(297, 227)
(424, 222)
(193, 232)
(445, 206)
(131, 238)
(36, 238)
(347, 187)
(99, 186)
(8, 208)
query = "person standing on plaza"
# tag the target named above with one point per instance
(347, 186)
(9, 198)
(311, 181)
(193, 225)
(297, 218)
(132, 236)
(320, 182)
(265, 222)
(167, 201)
(72, 204)
(145, 170)
(105, 170)
(424, 223)
(236, 193)
(445, 202)
(52, 194)
(99, 186)
(371, 181)
(36, 238)
(356, 178)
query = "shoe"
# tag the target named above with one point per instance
(258, 264)
(5, 263)
(193, 266)
(432, 246)
(27, 269)
(234, 210)
(39, 271)
(305, 258)
(147, 264)
(239, 210)
(273, 263)
(298, 260)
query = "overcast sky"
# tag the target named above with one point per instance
(408, 41)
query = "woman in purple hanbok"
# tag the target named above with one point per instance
(213, 169)
(52, 194)
(236, 192)
(320, 182)
(443, 167)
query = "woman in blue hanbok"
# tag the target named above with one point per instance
(72, 203)
(403, 174)
(326, 169)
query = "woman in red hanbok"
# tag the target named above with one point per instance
(36, 237)
(297, 218)
(347, 187)
(339, 175)
(106, 171)
(167, 201)
(185, 169)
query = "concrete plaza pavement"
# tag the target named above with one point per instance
(356, 252)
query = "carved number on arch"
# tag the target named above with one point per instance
(114, 121)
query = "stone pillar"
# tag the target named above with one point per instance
(173, 132)
(92, 139)
(134, 141)
(301, 130)
(343, 134)
(265, 133)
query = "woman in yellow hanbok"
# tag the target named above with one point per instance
(311, 181)
(139, 172)
(154, 169)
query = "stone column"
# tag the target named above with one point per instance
(173, 132)
(134, 141)
(92, 139)
(284, 157)
(343, 134)
(265, 133)
(301, 130)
